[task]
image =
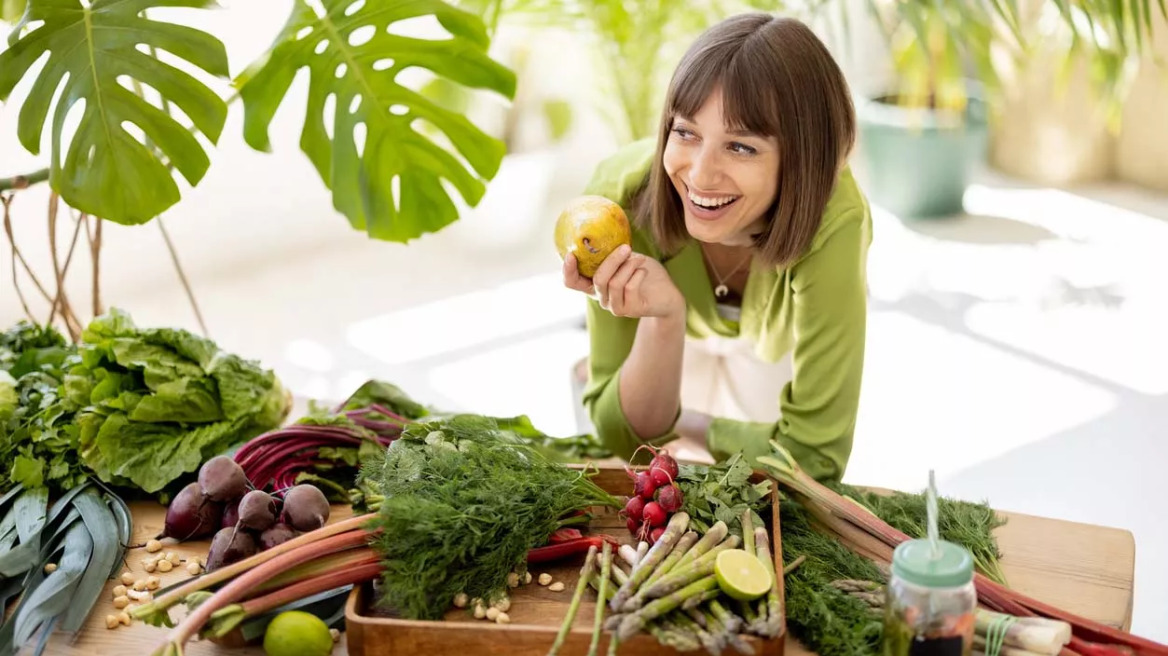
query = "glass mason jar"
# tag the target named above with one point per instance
(930, 604)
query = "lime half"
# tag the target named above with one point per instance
(742, 575)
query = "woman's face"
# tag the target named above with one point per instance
(727, 180)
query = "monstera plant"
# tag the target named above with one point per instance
(385, 175)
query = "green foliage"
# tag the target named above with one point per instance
(462, 505)
(362, 82)
(104, 170)
(722, 492)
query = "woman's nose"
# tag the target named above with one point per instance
(705, 169)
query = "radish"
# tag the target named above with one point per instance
(634, 508)
(222, 479)
(665, 462)
(644, 486)
(656, 534)
(654, 514)
(660, 477)
(633, 525)
(190, 515)
(670, 498)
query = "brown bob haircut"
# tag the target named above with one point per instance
(777, 79)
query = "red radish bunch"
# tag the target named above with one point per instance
(655, 498)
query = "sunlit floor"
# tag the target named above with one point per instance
(1019, 350)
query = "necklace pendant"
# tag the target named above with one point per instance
(721, 291)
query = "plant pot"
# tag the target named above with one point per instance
(919, 161)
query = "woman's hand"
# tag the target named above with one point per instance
(628, 284)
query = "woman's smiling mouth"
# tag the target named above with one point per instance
(709, 207)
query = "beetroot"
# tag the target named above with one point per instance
(305, 508)
(229, 546)
(634, 508)
(190, 515)
(654, 514)
(670, 498)
(257, 510)
(643, 486)
(222, 479)
(277, 534)
(230, 513)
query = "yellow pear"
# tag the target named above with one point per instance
(591, 227)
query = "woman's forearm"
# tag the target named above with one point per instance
(650, 379)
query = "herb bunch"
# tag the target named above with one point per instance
(722, 492)
(462, 502)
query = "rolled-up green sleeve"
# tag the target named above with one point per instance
(820, 404)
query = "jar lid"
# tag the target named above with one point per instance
(914, 561)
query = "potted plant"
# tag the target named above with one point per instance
(922, 137)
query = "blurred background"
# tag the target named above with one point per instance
(1016, 160)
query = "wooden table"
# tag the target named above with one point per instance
(1084, 569)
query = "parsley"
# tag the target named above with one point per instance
(722, 492)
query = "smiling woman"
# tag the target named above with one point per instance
(738, 315)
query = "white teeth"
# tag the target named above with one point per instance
(710, 202)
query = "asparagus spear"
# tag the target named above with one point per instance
(669, 638)
(635, 622)
(728, 619)
(680, 549)
(686, 623)
(673, 532)
(772, 623)
(585, 575)
(747, 531)
(712, 538)
(698, 601)
(683, 576)
(602, 596)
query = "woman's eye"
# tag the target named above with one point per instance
(742, 149)
(682, 132)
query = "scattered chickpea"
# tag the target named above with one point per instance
(150, 566)
(193, 568)
(152, 583)
(127, 578)
(119, 591)
(121, 602)
(545, 578)
(503, 618)
(165, 565)
(558, 586)
(124, 618)
(153, 546)
(492, 613)
(461, 600)
(173, 558)
(513, 580)
(336, 634)
(140, 595)
(111, 621)
(526, 578)
(139, 585)
(50, 568)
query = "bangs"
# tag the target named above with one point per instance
(749, 94)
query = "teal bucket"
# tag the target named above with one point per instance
(918, 167)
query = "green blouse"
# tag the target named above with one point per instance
(816, 309)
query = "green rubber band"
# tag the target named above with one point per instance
(996, 633)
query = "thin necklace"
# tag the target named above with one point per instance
(722, 290)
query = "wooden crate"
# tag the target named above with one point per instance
(536, 612)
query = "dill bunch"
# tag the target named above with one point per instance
(462, 503)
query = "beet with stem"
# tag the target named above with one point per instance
(257, 511)
(222, 479)
(228, 546)
(276, 535)
(305, 508)
(191, 515)
(230, 513)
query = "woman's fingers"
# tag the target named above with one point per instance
(633, 299)
(572, 277)
(617, 287)
(607, 269)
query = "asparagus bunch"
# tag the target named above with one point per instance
(670, 591)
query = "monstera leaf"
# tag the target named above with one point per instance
(105, 170)
(377, 143)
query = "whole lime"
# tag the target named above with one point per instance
(296, 633)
